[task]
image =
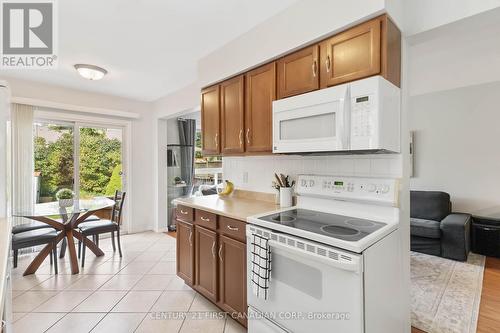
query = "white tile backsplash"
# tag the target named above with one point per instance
(261, 169)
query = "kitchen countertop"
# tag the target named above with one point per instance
(240, 205)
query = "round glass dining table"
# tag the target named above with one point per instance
(65, 220)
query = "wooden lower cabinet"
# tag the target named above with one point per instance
(232, 276)
(185, 254)
(205, 259)
(214, 262)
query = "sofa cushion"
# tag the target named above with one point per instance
(425, 228)
(429, 205)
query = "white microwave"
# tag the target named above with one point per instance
(361, 116)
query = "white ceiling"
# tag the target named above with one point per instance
(149, 47)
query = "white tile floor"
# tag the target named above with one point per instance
(137, 293)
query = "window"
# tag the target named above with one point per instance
(98, 160)
(207, 169)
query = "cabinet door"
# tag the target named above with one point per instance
(298, 72)
(210, 121)
(185, 259)
(205, 280)
(232, 115)
(351, 55)
(260, 94)
(232, 275)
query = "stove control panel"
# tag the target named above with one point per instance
(377, 190)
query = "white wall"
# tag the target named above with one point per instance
(457, 143)
(460, 54)
(261, 169)
(454, 84)
(423, 15)
(301, 23)
(142, 196)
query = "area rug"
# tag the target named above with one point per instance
(445, 294)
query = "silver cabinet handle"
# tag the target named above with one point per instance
(328, 63)
(248, 135)
(216, 138)
(220, 253)
(232, 228)
(190, 238)
(183, 212)
(213, 249)
(240, 136)
(315, 68)
(206, 219)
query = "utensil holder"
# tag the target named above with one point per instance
(286, 194)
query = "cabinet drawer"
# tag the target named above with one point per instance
(232, 228)
(184, 213)
(206, 219)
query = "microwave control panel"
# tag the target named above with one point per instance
(361, 116)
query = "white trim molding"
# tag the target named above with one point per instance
(74, 108)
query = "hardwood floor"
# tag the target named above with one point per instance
(172, 234)
(489, 310)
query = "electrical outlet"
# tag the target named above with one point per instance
(245, 177)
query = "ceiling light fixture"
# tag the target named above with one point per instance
(91, 72)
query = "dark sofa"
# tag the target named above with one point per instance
(435, 229)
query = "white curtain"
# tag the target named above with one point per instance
(22, 159)
(4, 148)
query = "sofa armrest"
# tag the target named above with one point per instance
(455, 236)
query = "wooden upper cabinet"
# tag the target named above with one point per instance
(210, 120)
(390, 51)
(351, 55)
(298, 72)
(185, 258)
(205, 260)
(232, 276)
(232, 115)
(260, 94)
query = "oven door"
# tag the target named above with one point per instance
(313, 122)
(308, 292)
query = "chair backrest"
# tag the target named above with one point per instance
(429, 205)
(116, 213)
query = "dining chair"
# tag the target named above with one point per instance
(41, 236)
(96, 228)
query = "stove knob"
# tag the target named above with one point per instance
(371, 187)
(303, 183)
(311, 183)
(384, 189)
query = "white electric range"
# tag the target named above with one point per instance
(335, 259)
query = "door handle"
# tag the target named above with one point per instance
(190, 238)
(232, 228)
(206, 219)
(248, 135)
(240, 136)
(183, 212)
(213, 249)
(220, 253)
(328, 63)
(216, 140)
(315, 68)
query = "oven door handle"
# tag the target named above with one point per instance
(354, 267)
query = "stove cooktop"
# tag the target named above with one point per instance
(336, 226)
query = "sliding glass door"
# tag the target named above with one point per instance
(94, 170)
(54, 159)
(100, 161)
